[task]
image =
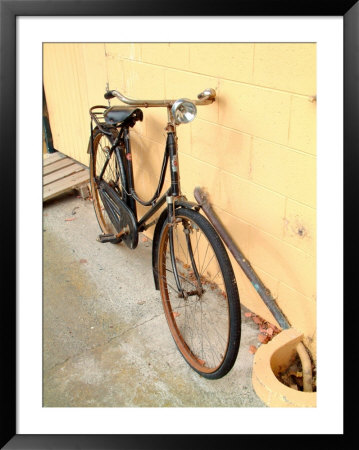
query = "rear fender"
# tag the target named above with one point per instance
(94, 132)
(89, 147)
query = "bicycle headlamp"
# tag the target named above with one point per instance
(183, 111)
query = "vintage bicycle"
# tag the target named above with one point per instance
(190, 265)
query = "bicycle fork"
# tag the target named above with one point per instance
(171, 148)
(181, 292)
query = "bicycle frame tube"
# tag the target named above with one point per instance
(171, 154)
(112, 149)
(130, 181)
(160, 183)
(142, 222)
(174, 191)
(123, 176)
(171, 147)
(169, 196)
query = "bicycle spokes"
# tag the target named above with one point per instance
(195, 294)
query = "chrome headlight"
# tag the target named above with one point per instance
(183, 111)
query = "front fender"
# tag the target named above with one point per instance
(157, 234)
(156, 241)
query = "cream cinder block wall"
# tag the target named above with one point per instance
(253, 149)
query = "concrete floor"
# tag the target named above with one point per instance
(106, 340)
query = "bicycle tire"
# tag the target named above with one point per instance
(206, 326)
(101, 144)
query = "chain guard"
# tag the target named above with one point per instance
(116, 208)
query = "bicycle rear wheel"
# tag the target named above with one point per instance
(199, 294)
(108, 221)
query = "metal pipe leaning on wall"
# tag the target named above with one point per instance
(264, 293)
(202, 199)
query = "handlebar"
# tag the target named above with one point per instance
(206, 97)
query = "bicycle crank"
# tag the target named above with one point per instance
(113, 237)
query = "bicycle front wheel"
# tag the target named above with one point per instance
(199, 294)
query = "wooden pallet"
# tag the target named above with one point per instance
(62, 174)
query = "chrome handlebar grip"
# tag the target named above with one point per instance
(207, 94)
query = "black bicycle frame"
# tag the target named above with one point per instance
(155, 202)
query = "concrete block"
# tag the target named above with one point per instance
(284, 262)
(232, 61)
(302, 130)
(252, 203)
(286, 66)
(284, 170)
(173, 55)
(259, 112)
(300, 226)
(221, 147)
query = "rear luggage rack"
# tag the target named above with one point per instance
(97, 115)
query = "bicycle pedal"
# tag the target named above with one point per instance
(106, 238)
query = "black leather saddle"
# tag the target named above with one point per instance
(116, 115)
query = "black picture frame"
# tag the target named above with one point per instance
(9, 10)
